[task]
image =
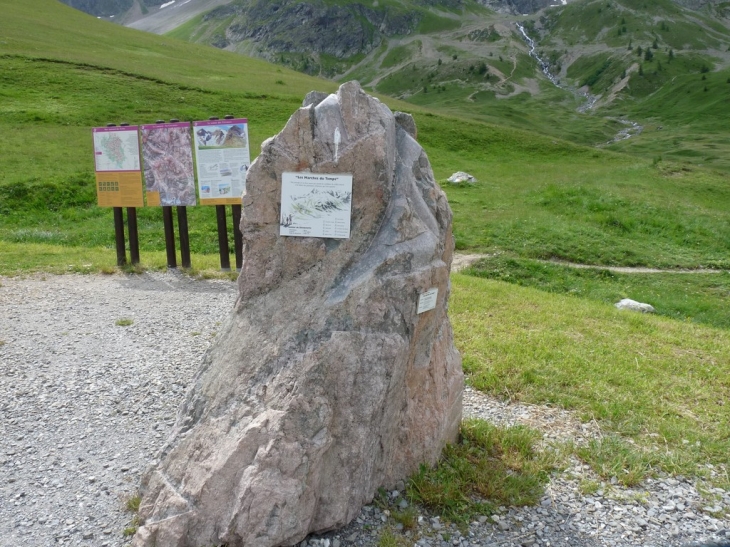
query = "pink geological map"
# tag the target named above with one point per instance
(168, 163)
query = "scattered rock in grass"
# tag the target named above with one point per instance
(461, 176)
(633, 305)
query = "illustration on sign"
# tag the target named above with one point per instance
(168, 164)
(316, 205)
(427, 300)
(223, 159)
(118, 175)
(116, 148)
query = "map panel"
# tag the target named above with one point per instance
(167, 152)
(116, 148)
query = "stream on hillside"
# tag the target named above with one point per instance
(631, 128)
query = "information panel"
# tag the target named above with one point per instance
(167, 154)
(118, 175)
(223, 158)
(314, 205)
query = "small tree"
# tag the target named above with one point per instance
(641, 70)
(671, 55)
(639, 51)
(648, 55)
(655, 45)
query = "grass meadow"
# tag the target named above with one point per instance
(528, 331)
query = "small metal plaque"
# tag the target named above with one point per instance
(427, 300)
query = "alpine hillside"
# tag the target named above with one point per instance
(651, 78)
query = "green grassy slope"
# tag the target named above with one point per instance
(538, 197)
(654, 62)
(45, 29)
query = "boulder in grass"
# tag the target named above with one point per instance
(325, 383)
(633, 305)
(461, 176)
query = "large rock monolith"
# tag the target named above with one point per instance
(325, 383)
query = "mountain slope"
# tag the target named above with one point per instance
(614, 66)
(537, 196)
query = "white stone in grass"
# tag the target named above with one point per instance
(633, 305)
(461, 176)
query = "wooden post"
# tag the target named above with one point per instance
(169, 236)
(182, 227)
(133, 234)
(220, 212)
(119, 236)
(237, 236)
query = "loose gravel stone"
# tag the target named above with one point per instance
(85, 404)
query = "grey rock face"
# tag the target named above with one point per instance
(325, 383)
(313, 98)
(407, 122)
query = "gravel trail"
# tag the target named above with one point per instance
(85, 403)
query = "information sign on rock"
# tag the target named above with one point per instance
(427, 300)
(223, 158)
(315, 205)
(167, 152)
(118, 175)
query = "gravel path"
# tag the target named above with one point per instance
(85, 404)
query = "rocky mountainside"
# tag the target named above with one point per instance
(115, 8)
(290, 26)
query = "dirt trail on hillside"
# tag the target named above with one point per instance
(462, 261)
